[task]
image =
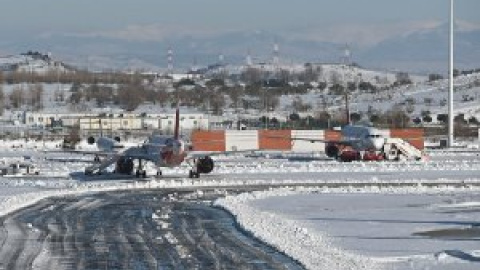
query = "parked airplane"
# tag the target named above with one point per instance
(163, 151)
(367, 143)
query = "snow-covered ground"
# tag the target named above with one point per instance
(367, 228)
(386, 215)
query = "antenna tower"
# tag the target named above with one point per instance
(276, 54)
(170, 60)
(248, 59)
(347, 55)
(221, 59)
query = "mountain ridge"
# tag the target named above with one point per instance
(424, 51)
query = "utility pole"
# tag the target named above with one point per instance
(347, 109)
(450, 81)
(345, 92)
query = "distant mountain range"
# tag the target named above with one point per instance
(423, 51)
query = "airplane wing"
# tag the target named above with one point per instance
(201, 154)
(313, 140)
(81, 152)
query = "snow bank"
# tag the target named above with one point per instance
(313, 249)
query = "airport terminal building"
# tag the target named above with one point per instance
(116, 122)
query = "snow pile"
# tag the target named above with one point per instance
(313, 250)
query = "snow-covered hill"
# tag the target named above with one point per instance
(416, 99)
(31, 62)
(421, 96)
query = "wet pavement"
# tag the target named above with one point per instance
(132, 230)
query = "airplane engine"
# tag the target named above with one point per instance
(91, 140)
(205, 165)
(124, 166)
(117, 139)
(331, 150)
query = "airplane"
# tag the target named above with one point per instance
(367, 143)
(161, 150)
(356, 139)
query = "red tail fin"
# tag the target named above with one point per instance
(177, 124)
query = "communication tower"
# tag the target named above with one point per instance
(248, 59)
(170, 60)
(346, 58)
(276, 55)
(221, 59)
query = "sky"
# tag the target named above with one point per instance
(159, 19)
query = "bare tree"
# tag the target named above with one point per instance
(16, 97)
(299, 106)
(428, 101)
(236, 93)
(35, 93)
(252, 75)
(129, 98)
(335, 78)
(309, 75)
(284, 76)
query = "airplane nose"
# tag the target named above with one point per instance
(378, 143)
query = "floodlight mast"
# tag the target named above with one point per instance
(450, 81)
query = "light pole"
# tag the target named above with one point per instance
(450, 80)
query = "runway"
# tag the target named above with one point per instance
(131, 230)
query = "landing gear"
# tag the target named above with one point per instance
(201, 165)
(159, 173)
(140, 172)
(392, 154)
(193, 174)
(124, 166)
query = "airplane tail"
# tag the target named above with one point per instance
(176, 133)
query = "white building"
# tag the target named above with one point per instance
(118, 121)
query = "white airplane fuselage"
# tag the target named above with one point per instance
(164, 151)
(364, 138)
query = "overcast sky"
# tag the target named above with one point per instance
(156, 19)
